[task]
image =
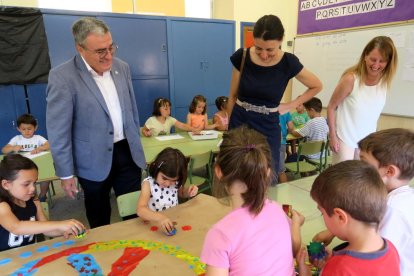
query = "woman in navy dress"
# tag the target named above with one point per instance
(255, 95)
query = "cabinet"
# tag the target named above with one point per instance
(142, 43)
(12, 105)
(200, 62)
(36, 98)
(170, 57)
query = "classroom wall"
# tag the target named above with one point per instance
(164, 7)
(250, 11)
(238, 10)
(20, 3)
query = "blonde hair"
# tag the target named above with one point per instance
(387, 49)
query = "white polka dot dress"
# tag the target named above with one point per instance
(161, 198)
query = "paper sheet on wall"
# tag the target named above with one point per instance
(169, 137)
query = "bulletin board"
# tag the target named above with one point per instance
(329, 55)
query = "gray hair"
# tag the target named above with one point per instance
(86, 25)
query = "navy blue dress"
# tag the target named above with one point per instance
(261, 85)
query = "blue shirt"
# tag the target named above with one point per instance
(283, 121)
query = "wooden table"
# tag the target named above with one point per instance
(167, 255)
(175, 255)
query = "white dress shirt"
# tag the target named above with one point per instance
(107, 87)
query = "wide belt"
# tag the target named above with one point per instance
(255, 108)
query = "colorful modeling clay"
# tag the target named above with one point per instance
(316, 250)
(288, 209)
(172, 232)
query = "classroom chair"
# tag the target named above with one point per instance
(49, 192)
(127, 203)
(326, 158)
(200, 161)
(45, 208)
(305, 166)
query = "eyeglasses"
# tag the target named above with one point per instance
(103, 52)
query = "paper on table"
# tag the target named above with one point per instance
(169, 137)
(31, 156)
(204, 135)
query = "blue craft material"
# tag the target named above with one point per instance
(25, 255)
(42, 249)
(172, 232)
(57, 244)
(5, 261)
(69, 242)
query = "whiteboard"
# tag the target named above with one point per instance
(327, 56)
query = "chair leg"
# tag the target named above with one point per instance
(51, 185)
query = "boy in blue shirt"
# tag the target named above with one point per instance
(286, 126)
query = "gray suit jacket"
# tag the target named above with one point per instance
(79, 126)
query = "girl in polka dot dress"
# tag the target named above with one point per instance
(162, 188)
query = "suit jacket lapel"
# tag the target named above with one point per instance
(119, 82)
(90, 82)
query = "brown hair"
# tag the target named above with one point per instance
(269, 27)
(158, 103)
(387, 49)
(314, 103)
(353, 186)
(195, 101)
(172, 163)
(10, 167)
(26, 119)
(244, 156)
(393, 146)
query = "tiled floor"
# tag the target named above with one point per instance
(64, 207)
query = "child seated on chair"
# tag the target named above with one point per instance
(221, 118)
(30, 143)
(286, 125)
(161, 122)
(352, 199)
(21, 214)
(316, 129)
(160, 191)
(197, 114)
(300, 116)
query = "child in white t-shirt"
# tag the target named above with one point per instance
(161, 122)
(29, 142)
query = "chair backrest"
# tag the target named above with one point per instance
(127, 203)
(202, 160)
(311, 147)
(45, 208)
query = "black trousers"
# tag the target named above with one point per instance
(124, 177)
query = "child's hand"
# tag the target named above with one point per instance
(17, 148)
(166, 224)
(192, 191)
(320, 263)
(35, 151)
(147, 132)
(324, 236)
(304, 270)
(70, 227)
(297, 218)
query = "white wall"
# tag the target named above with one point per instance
(198, 8)
(79, 5)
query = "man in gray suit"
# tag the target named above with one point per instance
(92, 122)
